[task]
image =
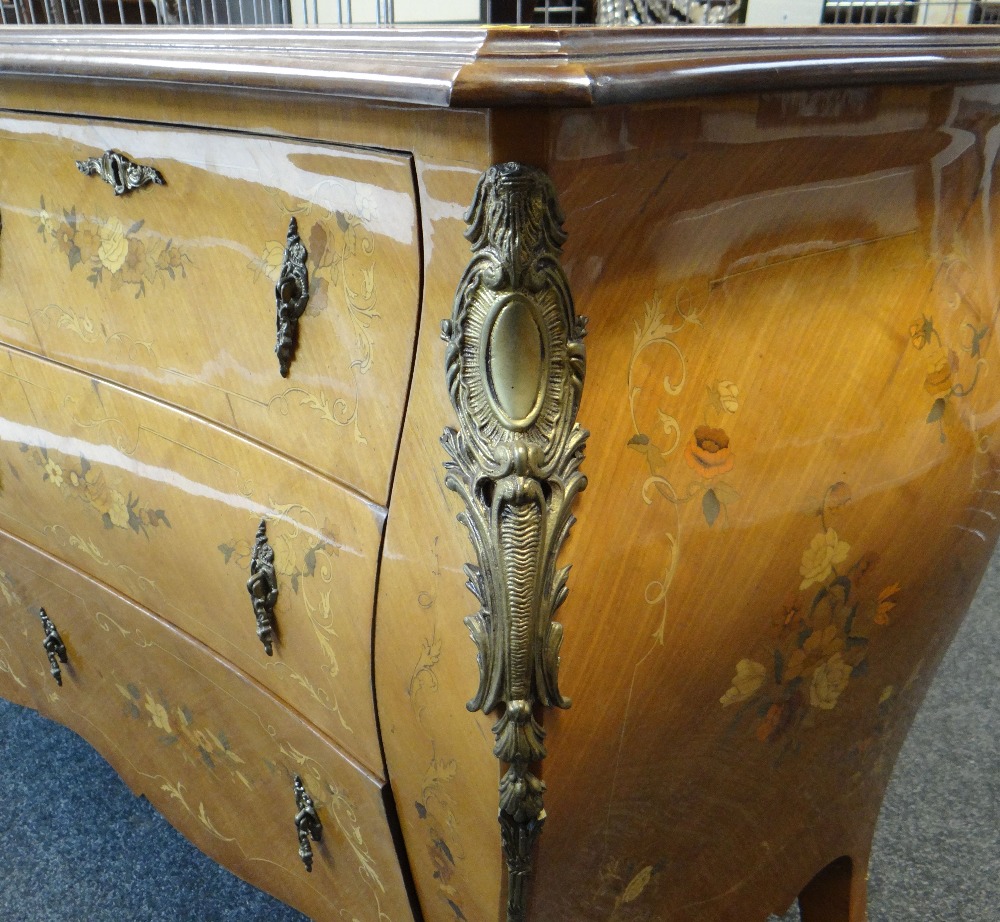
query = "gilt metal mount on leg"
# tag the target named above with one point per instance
(514, 367)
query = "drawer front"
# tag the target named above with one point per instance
(210, 749)
(165, 509)
(20, 643)
(171, 289)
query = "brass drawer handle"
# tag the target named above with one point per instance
(291, 295)
(263, 587)
(122, 174)
(307, 823)
(55, 649)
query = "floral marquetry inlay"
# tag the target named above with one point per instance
(820, 637)
(342, 270)
(116, 504)
(708, 448)
(952, 337)
(303, 562)
(660, 434)
(177, 726)
(951, 374)
(110, 252)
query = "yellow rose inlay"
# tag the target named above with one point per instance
(818, 560)
(53, 473)
(114, 245)
(829, 680)
(729, 396)
(158, 713)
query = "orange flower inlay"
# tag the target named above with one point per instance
(708, 452)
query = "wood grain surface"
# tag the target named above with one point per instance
(170, 289)
(213, 751)
(20, 647)
(793, 495)
(438, 755)
(505, 66)
(793, 475)
(165, 509)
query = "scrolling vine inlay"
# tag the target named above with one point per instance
(515, 365)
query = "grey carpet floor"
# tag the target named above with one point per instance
(76, 846)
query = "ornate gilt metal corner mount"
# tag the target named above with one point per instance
(515, 365)
(122, 174)
(291, 295)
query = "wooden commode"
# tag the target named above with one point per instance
(305, 334)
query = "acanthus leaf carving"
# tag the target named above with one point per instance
(514, 368)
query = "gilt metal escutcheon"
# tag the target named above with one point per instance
(307, 823)
(515, 365)
(119, 172)
(55, 649)
(291, 295)
(263, 587)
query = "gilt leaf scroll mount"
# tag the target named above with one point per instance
(515, 363)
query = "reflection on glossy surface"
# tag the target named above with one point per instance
(438, 754)
(802, 463)
(171, 291)
(793, 493)
(166, 512)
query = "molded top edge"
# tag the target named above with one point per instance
(505, 66)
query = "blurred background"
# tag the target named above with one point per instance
(552, 12)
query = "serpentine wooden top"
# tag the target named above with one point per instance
(505, 66)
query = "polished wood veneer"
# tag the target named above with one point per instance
(165, 511)
(791, 494)
(502, 67)
(211, 749)
(785, 246)
(171, 292)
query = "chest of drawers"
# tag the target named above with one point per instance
(210, 748)
(231, 500)
(171, 292)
